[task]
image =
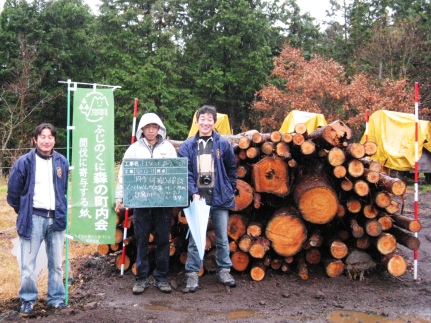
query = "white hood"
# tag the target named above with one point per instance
(148, 118)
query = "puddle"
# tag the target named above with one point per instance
(159, 306)
(352, 316)
(242, 314)
(232, 315)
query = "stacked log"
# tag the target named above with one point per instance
(318, 198)
(307, 200)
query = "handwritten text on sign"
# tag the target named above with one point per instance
(155, 182)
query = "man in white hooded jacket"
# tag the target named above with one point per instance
(151, 143)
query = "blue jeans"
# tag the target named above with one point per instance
(219, 218)
(143, 222)
(54, 241)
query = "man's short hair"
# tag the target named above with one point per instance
(207, 109)
(42, 126)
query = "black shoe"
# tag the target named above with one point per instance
(26, 308)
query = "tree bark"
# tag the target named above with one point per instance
(407, 223)
(405, 238)
(392, 185)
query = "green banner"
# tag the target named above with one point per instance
(93, 216)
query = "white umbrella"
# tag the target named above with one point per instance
(197, 215)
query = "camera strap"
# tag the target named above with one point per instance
(205, 161)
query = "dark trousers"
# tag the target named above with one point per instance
(144, 220)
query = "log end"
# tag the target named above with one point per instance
(318, 205)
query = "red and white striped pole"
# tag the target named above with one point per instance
(367, 116)
(126, 215)
(416, 202)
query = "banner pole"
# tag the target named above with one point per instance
(71, 86)
(416, 201)
(66, 300)
(126, 215)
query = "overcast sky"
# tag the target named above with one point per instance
(316, 8)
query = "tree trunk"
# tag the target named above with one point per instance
(370, 148)
(245, 242)
(395, 264)
(313, 256)
(237, 226)
(385, 221)
(373, 228)
(339, 171)
(259, 247)
(386, 243)
(371, 165)
(334, 267)
(392, 185)
(270, 175)
(338, 249)
(370, 212)
(209, 261)
(407, 223)
(257, 272)
(254, 229)
(286, 231)
(355, 168)
(336, 156)
(405, 238)
(315, 197)
(357, 230)
(355, 150)
(361, 188)
(244, 197)
(240, 260)
(335, 134)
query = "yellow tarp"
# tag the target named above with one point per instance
(222, 126)
(311, 120)
(394, 134)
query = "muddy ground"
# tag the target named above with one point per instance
(99, 294)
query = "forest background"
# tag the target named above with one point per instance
(254, 60)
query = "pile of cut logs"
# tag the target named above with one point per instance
(303, 200)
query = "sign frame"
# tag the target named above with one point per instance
(155, 182)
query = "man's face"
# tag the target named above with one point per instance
(150, 132)
(45, 142)
(206, 124)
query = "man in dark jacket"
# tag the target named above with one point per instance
(37, 190)
(211, 175)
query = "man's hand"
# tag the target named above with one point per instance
(118, 205)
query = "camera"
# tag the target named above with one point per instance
(205, 179)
